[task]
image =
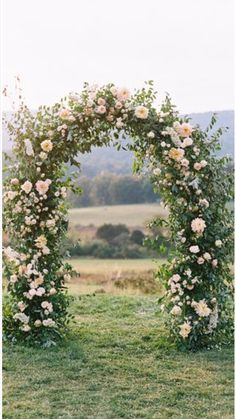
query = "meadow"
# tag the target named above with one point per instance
(114, 276)
(134, 215)
(116, 363)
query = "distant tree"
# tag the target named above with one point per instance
(109, 189)
(100, 190)
(137, 236)
(108, 232)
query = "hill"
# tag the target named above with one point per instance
(108, 159)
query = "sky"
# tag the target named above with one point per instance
(185, 46)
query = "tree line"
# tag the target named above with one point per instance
(108, 189)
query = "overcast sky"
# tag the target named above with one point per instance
(185, 46)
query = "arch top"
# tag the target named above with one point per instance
(181, 164)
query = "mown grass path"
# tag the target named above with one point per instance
(117, 363)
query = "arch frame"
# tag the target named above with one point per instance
(181, 162)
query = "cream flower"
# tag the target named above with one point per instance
(184, 162)
(10, 254)
(187, 142)
(123, 94)
(175, 277)
(218, 243)
(37, 323)
(13, 279)
(101, 109)
(28, 148)
(47, 146)
(118, 105)
(214, 263)
(176, 153)
(119, 123)
(40, 291)
(176, 311)
(15, 181)
(141, 112)
(204, 203)
(185, 329)
(11, 195)
(52, 291)
(48, 323)
(26, 328)
(22, 317)
(50, 223)
(202, 308)
(197, 166)
(45, 250)
(200, 261)
(42, 186)
(101, 101)
(26, 187)
(185, 129)
(41, 241)
(198, 225)
(151, 134)
(65, 114)
(43, 156)
(203, 163)
(194, 249)
(46, 305)
(157, 171)
(114, 90)
(21, 306)
(207, 256)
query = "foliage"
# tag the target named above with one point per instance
(193, 183)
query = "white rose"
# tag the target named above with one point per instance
(157, 171)
(187, 142)
(197, 166)
(141, 112)
(194, 249)
(151, 134)
(207, 256)
(26, 187)
(176, 311)
(28, 148)
(203, 163)
(47, 146)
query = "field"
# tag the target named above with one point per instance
(114, 276)
(131, 215)
(117, 363)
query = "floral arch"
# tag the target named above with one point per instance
(193, 183)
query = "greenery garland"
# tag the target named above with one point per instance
(193, 183)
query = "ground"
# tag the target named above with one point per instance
(117, 363)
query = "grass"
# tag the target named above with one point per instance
(132, 215)
(108, 275)
(117, 363)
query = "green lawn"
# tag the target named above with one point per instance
(117, 363)
(131, 215)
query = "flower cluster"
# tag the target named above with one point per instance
(192, 183)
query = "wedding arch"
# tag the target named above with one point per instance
(182, 165)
